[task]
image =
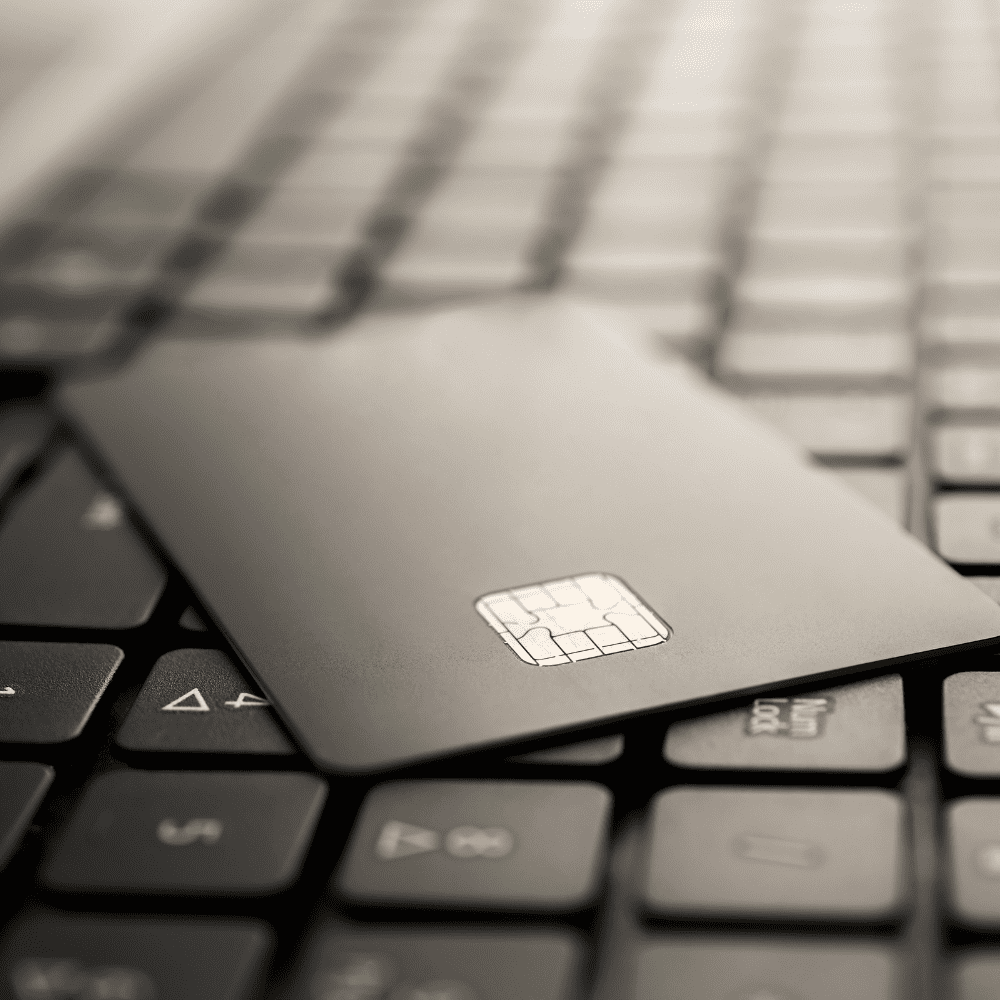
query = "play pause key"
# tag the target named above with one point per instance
(500, 845)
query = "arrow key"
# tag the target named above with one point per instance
(49, 689)
(498, 845)
(197, 701)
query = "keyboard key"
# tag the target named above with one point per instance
(963, 387)
(47, 956)
(749, 355)
(183, 833)
(196, 701)
(191, 620)
(976, 976)
(784, 854)
(967, 456)
(847, 426)
(592, 753)
(48, 690)
(24, 431)
(967, 527)
(69, 557)
(974, 860)
(22, 788)
(499, 845)
(989, 585)
(712, 968)
(433, 964)
(885, 488)
(857, 727)
(972, 723)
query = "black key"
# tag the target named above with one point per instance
(967, 527)
(24, 430)
(856, 727)
(22, 788)
(972, 723)
(195, 700)
(434, 964)
(49, 689)
(989, 585)
(849, 425)
(785, 854)
(69, 557)
(976, 976)
(968, 456)
(191, 621)
(974, 841)
(500, 845)
(589, 753)
(87, 260)
(713, 968)
(188, 833)
(54, 957)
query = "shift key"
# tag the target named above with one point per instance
(70, 557)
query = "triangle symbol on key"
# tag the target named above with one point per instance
(192, 701)
(400, 840)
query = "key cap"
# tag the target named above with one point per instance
(592, 753)
(967, 527)
(974, 860)
(499, 845)
(22, 788)
(747, 355)
(989, 585)
(69, 557)
(341, 962)
(972, 723)
(191, 620)
(885, 488)
(976, 976)
(24, 431)
(847, 426)
(963, 387)
(856, 727)
(197, 701)
(184, 833)
(705, 968)
(46, 956)
(967, 456)
(89, 261)
(48, 690)
(784, 854)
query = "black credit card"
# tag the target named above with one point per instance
(430, 534)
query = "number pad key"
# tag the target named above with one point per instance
(973, 826)
(707, 968)
(485, 845)
(976, 976)
(972, 723)
(177, 833)
(783, 854)
(49, 689)
(846, 426)
(196, 701)
(432, 964)
(967, 456)
(856, 727)
(967, 528)
(49, 957)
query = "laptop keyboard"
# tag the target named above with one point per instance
(799, 196)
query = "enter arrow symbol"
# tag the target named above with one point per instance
(8, 691)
